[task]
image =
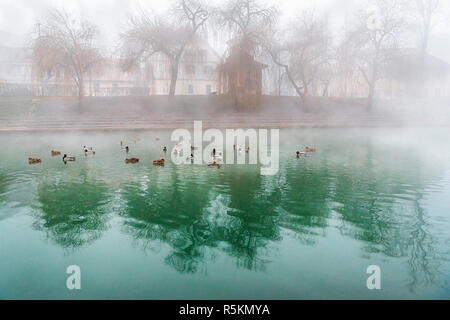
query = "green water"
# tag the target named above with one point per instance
(367, 197)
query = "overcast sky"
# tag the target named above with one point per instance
(17, 17)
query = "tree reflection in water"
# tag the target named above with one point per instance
(370, 192)
(72, 213)
(380, 206)
(170, 214)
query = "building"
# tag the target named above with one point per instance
(402, 77)
(106, 78)
(15, 71)
(240, 77)
(110, 79)
(407, 78)
(197, 73)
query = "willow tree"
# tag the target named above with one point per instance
(65, 45)
(148, 34)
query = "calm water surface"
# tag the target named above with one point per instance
(367, 197)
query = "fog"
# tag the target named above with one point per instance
(310, 63)
(18, 17)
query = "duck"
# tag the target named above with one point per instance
(159, 162)
(165, 149)
(56, 153)
(301, 154)
(88, 150)
(34, 160)
(308, 149)
(132, 160)
(68, 158)
(213, 164)
(218, 156)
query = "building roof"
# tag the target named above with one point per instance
(405, 64)
(15, 54)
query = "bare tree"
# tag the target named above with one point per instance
(425, 14)
(427, 10)
(375, 40)
(149, 34)
(302, 50)
(249, 21)
(66, 46)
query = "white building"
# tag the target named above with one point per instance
(15, 71)
(197, 73)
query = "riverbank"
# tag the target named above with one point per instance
(162, 112)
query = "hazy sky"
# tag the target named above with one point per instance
(17, 17)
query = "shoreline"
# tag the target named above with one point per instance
(162, 112)
(211, 124)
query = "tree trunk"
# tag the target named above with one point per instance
(174, 66)
(423, 54)
(372, 83)
(371, 95)
(294, 84)
(80, 92)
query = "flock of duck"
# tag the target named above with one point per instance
(65, 158)
(90, 151)
(217, 155)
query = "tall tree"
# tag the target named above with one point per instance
(375, 39)
(249, 21)
(427, 10)
(67, 46)
(169, 35)
(302, 50)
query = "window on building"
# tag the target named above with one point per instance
(96, 88)
(202, 55)
(208, 89)
(208, 70)
(190, 69)
(191, 89)
(115, 90)
(188, 55)
(249, 84)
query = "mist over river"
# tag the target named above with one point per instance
(366, 197)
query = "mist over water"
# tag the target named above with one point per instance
(367, 197)
(358, 90)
